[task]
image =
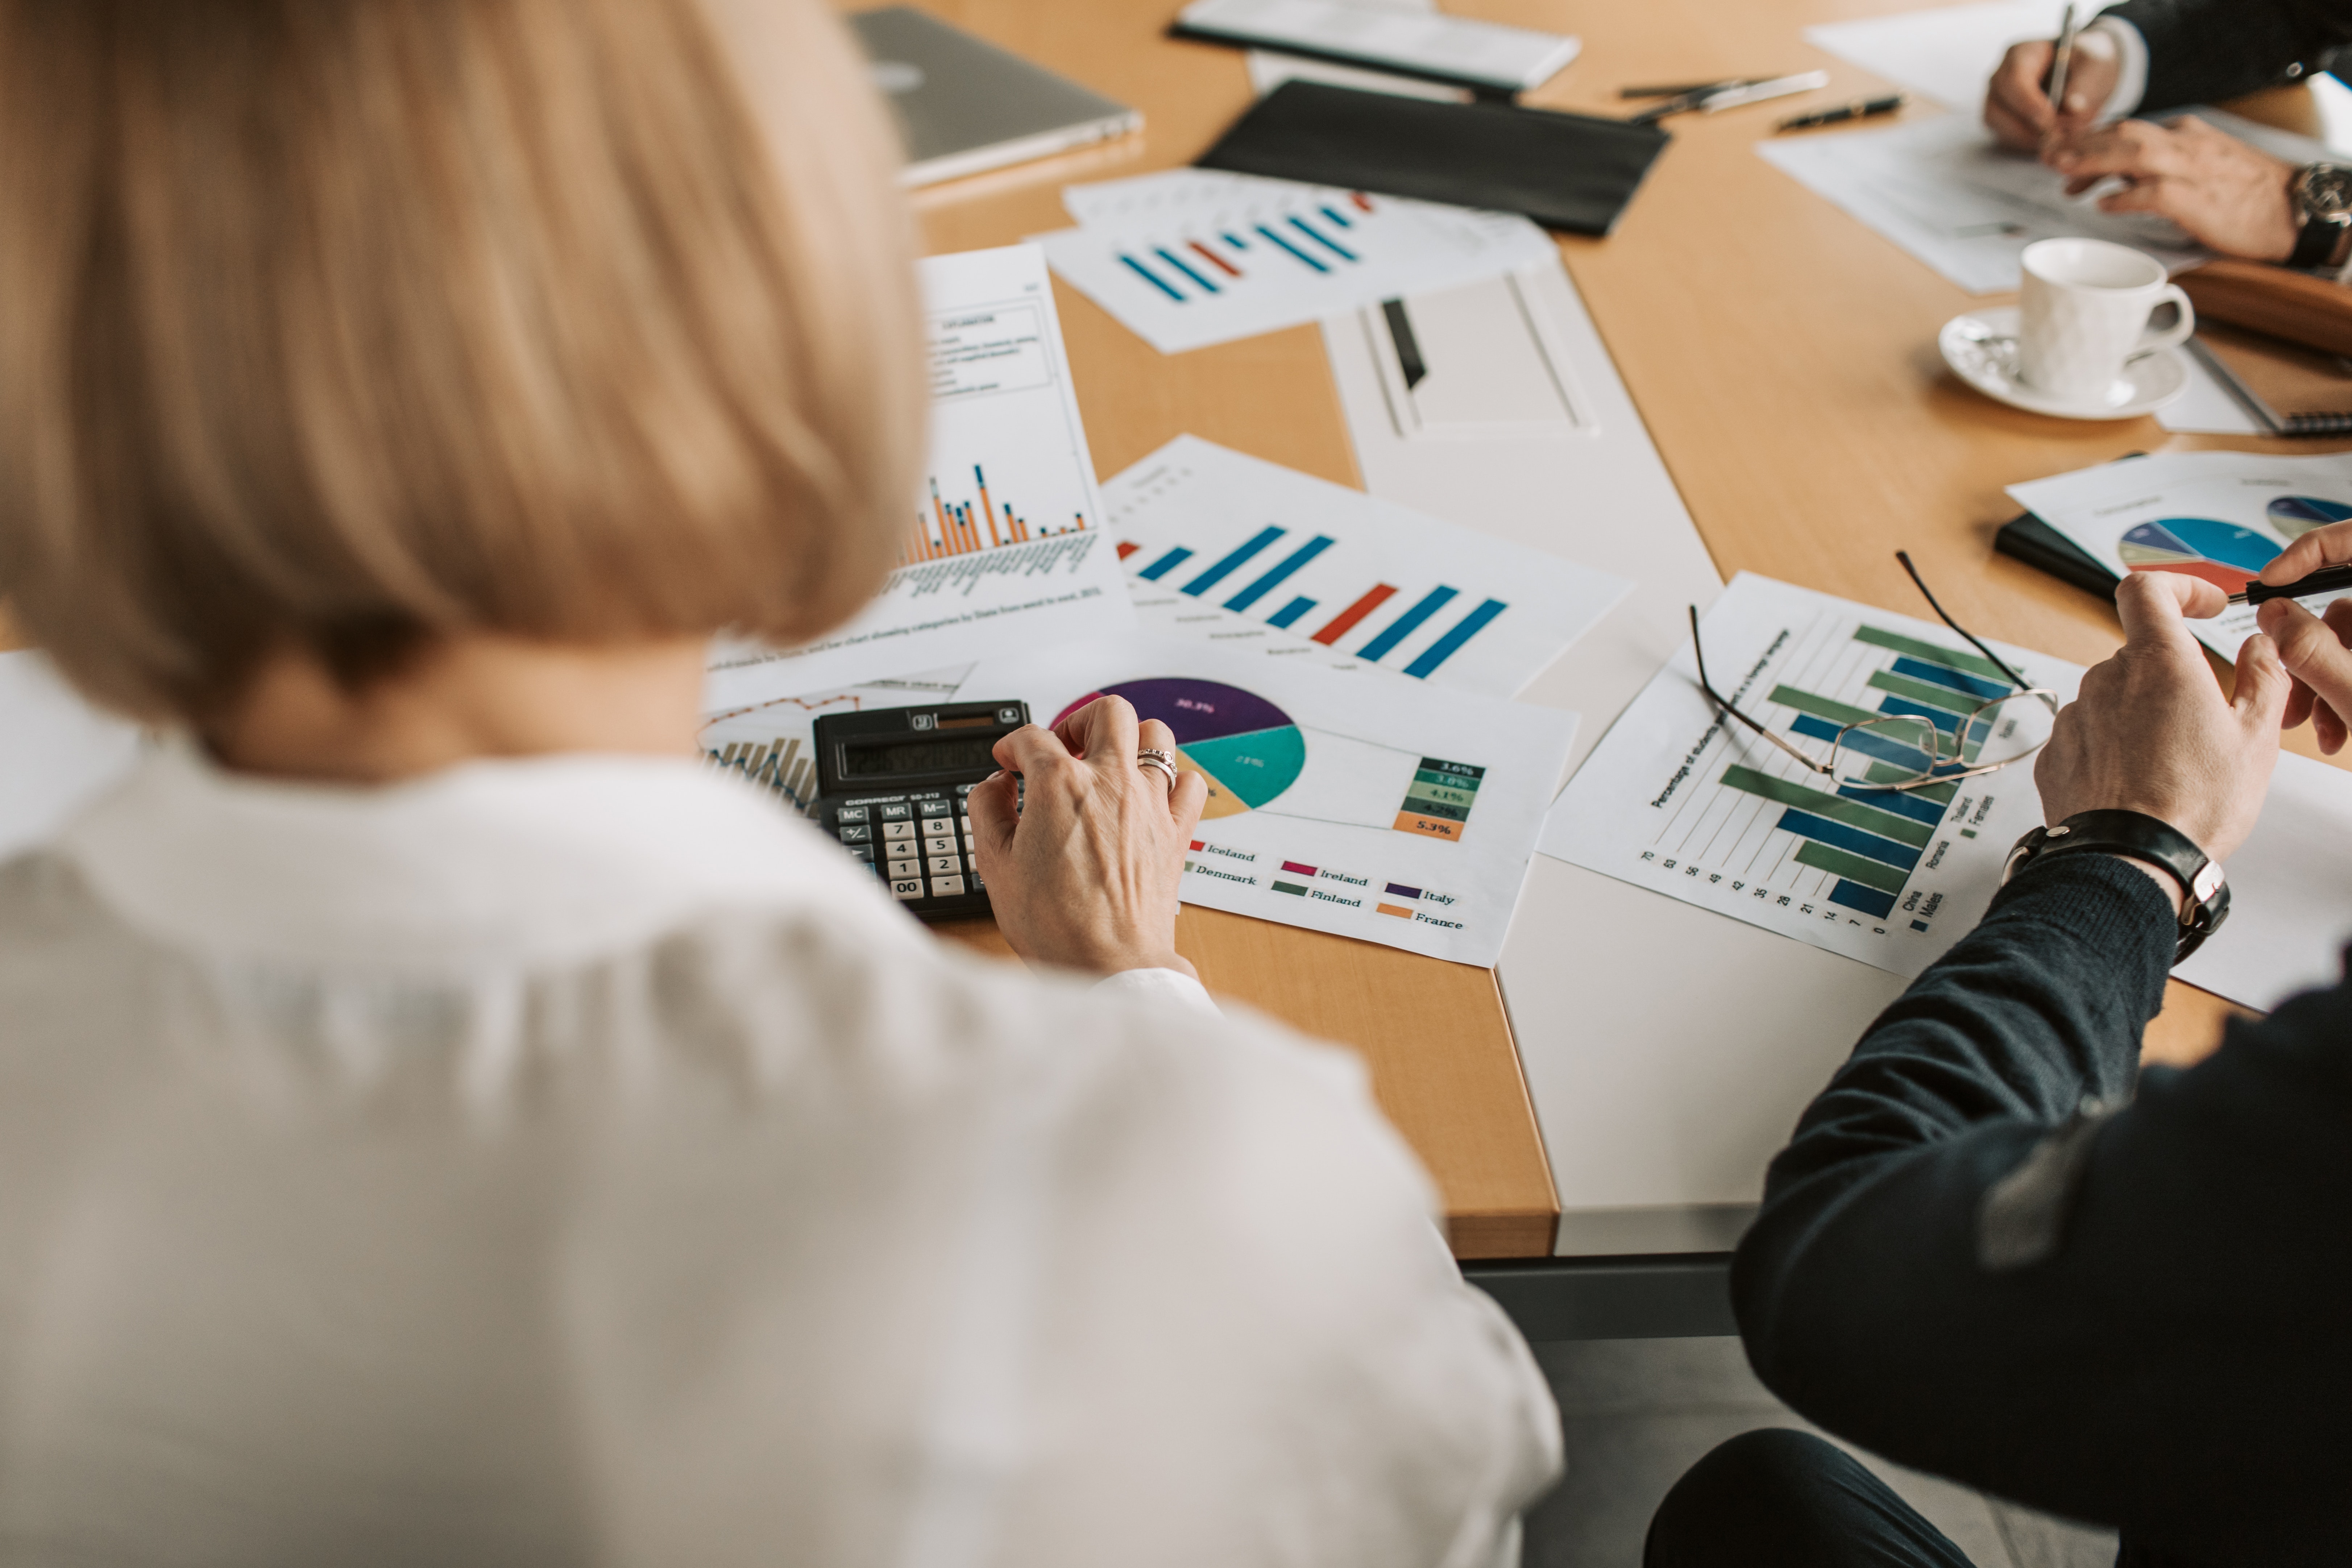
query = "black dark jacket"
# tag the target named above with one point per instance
(2203, 50)
(2140, 1317)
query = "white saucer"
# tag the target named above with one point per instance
(1981, 348)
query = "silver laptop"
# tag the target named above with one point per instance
(963, 106)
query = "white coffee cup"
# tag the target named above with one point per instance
(2084, 316)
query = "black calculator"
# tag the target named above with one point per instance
(893, 785)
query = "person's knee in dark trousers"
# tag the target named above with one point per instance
(1778, 1498)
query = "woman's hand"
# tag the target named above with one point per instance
(2316, 651)
(1083, 875)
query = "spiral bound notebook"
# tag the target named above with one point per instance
(1567, 172)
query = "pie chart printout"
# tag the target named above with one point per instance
(2220, 552)
(1248, 749)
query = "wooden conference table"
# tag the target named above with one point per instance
(1784, 360)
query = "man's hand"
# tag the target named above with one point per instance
(1083, 873)
(2017, 104)
(2229, 196)
(2314, 650)
(2151, 732)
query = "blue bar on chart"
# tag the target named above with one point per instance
(1292, 248)
(1149, 275)
(1937, 674)
(1287, 617)
(1165, 564)
(1233, 562)
(1404, 626)
(1852, 840)
(1447, 647)
(1325, 240)
(1282, 570)
(1866, 900)
(1165, 255)
(1930, 812)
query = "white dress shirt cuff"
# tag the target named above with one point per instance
(1162, 985)
(2131, 59)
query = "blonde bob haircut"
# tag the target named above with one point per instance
(340, 326)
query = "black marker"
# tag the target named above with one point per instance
(1860, 109)
(2326, 580)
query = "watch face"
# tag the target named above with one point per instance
(2325, 190)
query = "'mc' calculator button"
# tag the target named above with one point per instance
(850, 814)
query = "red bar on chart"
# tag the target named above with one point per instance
(1214, 259)
(1343, 622)
(1363, 203)
(1126, 550)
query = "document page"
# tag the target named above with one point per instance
(1249, 555)
(1004, 542)
(1367, 806)
(1946, 53)
(1679, 799)
(1944, 191)
(1194, 256)
(2220, 516)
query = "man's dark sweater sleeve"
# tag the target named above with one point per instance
(2199, 51)
(2141, 1317)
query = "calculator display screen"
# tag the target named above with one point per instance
(919, 757)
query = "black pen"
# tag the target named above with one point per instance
(2326, 580)
(1860, 109)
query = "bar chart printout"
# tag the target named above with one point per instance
(1003, 544)
(1678, 799)
(1227, 548)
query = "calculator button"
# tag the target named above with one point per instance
(943, 845)
(898, 830)
(851, 834)
(907, 887)
(898, 813)
(936, 824)
(943, 865)
(850, 814)
(906, 868)
(862, 851)
(946, 887)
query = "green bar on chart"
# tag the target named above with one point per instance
(1822, 707)
(1852, 868)
(1836, 809)
(1949, 659)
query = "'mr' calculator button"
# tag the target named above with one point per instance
(898, 812)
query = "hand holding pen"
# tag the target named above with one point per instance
(2315, 649)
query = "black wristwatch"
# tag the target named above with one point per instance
(2323, 202)
(2205, 893)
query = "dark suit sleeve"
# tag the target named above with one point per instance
(2140, 1317)
(2201, 51)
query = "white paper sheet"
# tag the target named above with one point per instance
(2216, 515)
(1946, 53)
(1194, 256)
(59, 753)
(1943, 191)
(1366, 806)
(2207, 407)
(1680, 800)
(2290, 893)
(1248, 554)
(1004, 541)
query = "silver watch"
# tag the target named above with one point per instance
(2323, 201)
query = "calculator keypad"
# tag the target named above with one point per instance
(920, 847)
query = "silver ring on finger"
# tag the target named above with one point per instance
(1159, 762)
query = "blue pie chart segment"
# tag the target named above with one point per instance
(2220, 552)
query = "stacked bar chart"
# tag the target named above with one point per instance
(780, 765)
(1870, 839)
(954, 528)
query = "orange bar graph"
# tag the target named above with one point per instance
(955, 528)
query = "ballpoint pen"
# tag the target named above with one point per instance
(2062, 60)
(2326, 580)
(1860, 109)
(1720, 95)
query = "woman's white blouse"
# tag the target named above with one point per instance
(576, 1162)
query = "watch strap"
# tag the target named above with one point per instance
(2205, 891)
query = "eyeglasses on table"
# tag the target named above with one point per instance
(1959, 725)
